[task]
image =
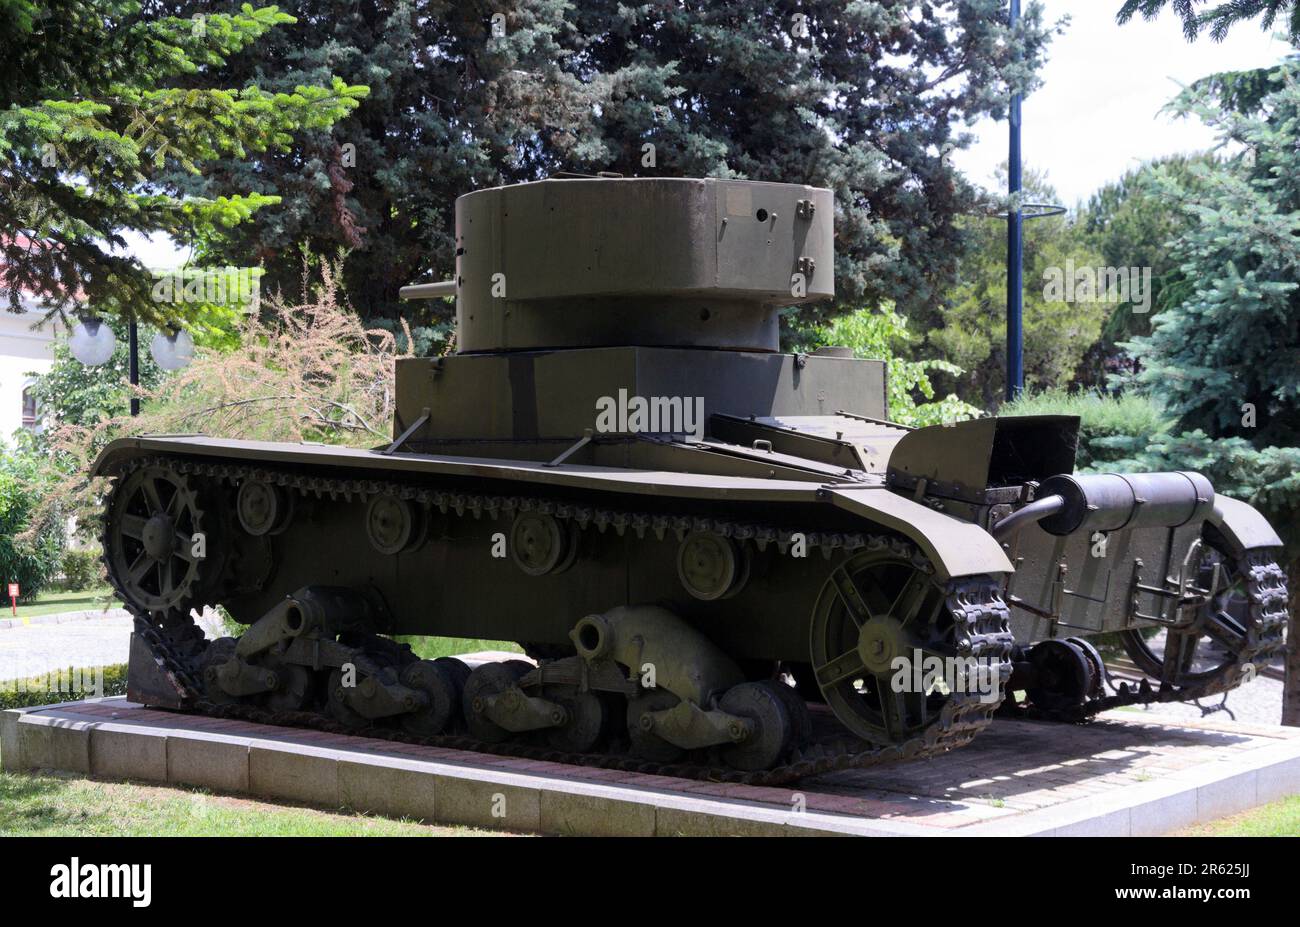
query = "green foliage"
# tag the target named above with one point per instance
(55, 687)
(1114, 431)
(70, 393)
(1131, 223)
(1222, 16)
(81, 569)
(31, 539)
(972, 331)
(869, 101)
(1225, 361)
(101, 101)
(883, 335)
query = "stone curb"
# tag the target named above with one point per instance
(64, 617)
(434, 791)
(469, 789)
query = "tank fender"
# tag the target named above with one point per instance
(955, 547)
(1242, 525)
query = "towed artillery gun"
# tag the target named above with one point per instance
(725, 561)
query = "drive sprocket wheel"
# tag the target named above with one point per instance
(895, 653)
(155, 539)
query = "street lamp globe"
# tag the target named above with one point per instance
(172, 350)
(92, 342)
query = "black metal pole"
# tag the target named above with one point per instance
(1015, 250)
(134, 371)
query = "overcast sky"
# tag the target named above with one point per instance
(1097, 112)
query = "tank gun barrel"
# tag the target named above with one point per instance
(428, 290)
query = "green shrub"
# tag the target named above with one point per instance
(1114, 431)
(66, 685)
(883, 335)
(30, 563)
(82, 569)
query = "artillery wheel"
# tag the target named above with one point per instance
(153, 520)
(876, 607)
(773, 730)
(1209, 645)
(441, 686)
(645, 743)
(486, 680)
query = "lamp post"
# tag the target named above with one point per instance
(92, 343)
(1015, 248)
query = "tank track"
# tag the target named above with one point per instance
(977, 607)
(1267, 591)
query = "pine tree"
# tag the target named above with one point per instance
(1226, 359)
(867, 98)
(1221, 17)
(99, 100)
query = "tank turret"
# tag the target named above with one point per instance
(655, 262)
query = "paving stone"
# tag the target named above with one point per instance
(571, 814)
(301, 775)
(392, 788)
(11, 758)
(1228, 796)
(57, 745)
(210, 762)
(119, 754)
(485, 803)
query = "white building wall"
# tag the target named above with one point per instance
(24, 350)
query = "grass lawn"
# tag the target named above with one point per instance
(50, 805)
(1277, 819)
(52, 602)
(430, 648)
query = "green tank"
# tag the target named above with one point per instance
(724, 561)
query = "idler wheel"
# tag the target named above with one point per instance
(443, 688)
(587, 719)
(263, 508)
(540, 544)
(645, 743)
(710, 567)
(772, 732)
(392, 525)
(487, 680)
